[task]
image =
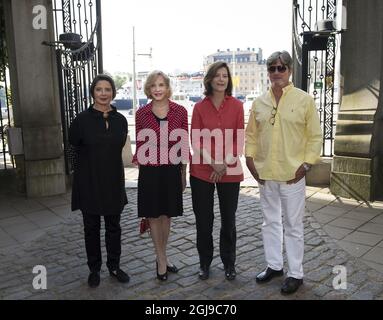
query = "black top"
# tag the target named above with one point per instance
(160, 119)
(98, 180)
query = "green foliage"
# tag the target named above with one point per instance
(119, 81)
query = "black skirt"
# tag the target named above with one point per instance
(159, 191)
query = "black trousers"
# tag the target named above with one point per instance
(203, 207)
(92, 227)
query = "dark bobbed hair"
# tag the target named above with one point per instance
(210, 74)
(101, 77)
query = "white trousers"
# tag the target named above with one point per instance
(283, 201)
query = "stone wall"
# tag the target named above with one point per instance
(35, 97)
(357, 164)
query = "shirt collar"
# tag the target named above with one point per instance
(226, 98)
(288, 87)
(284, 90)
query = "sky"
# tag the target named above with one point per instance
(182, 32)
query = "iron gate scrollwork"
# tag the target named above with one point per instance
(314, 53)
(6, 160)
(78, 43)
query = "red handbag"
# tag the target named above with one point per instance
(144, 225)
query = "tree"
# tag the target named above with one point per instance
(119, 81)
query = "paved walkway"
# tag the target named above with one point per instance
(44, 232)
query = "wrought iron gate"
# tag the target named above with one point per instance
(6, 160)
(314, 50)
(77, 25)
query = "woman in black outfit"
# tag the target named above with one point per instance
(98, 135)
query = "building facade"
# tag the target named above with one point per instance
(189, 84)
(247, 67)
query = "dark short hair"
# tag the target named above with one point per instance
(101, 77)
(210, 74)
(283, 56)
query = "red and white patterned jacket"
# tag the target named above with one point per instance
(148, 135)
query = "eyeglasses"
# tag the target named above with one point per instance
(273, 113)
(280, 69)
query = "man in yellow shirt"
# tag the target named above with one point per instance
(283, 140)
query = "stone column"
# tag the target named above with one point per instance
(357, 164)
(35, 95)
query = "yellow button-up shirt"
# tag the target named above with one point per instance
(296, 136)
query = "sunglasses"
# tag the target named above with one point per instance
(280, 69)
(273, 113)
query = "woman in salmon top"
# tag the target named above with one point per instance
(217, 140)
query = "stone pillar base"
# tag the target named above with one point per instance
(319, 175)
(45, 177)
(351, 178)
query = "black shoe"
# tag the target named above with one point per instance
(230, 273)
(203, 273)
(120, 275)
(94, 279)
(172, 268)
(268, 274)
(162, 277)
(290, 285)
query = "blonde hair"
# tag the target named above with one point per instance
(152, 77)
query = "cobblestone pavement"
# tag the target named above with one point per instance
(61, 250)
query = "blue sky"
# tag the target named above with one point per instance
(182, 32)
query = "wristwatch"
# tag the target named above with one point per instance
(306, 166)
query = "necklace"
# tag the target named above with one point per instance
(105, 113)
